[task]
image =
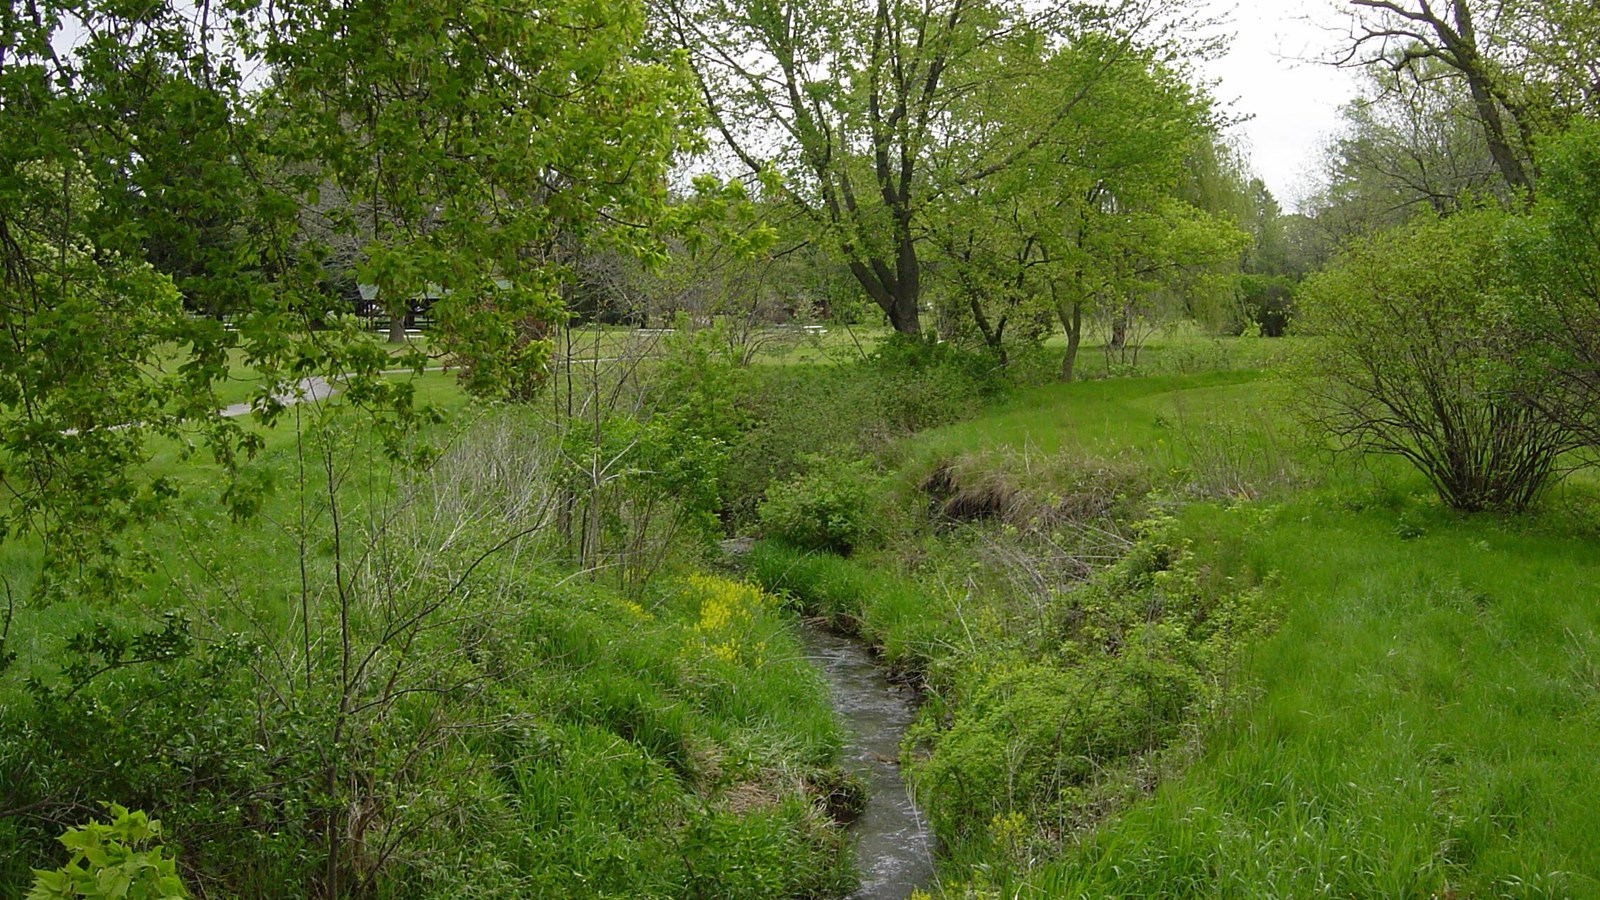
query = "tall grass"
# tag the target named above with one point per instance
(1420, 722)
(1422, 725)
(545, 735)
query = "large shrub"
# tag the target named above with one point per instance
(1556, 255)
(827, 508)
(907, 385)
(1414, 357)
(1031, 735)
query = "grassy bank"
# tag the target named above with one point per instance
(1172, 649)
(1419, 726)
(380, 678)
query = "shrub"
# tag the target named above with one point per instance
(1031, 735)
(924, 383)
(117, 859)
(1414, 359)
(1269, 301)
(1556, 255)
(827, 508)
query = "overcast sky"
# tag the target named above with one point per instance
(1293, 103)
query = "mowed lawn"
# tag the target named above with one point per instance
(1425, 719)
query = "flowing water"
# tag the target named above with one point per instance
(894, 850)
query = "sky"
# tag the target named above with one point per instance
(1270, 74)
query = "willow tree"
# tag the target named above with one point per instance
(846, 105)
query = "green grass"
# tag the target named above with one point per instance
(1104, 417)
(642, 747)
(1419, 724)
(913, 629)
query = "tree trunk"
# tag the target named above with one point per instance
(1471, 64)
(1073, 323)
(1506, 158)
(397, 323)
(1119, 329)
(906, 316)
(992, 337)
(894, 296)
(903, 312)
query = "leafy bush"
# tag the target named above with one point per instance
(828, 508)
(1556, 254)
(1031, 734)
(1416, 358)
(906, 386)
(927, 383)
(118, 859)
(1053, 730)
(1269, 301)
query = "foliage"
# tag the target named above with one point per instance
(1013, 246)
(1556, 256)
(1127, 659)
(1269, 302)
(1412, 360)
(420, 118)
(1411, 719)
(829, 507)
(643, 459)
(527, 733)
(715, 267)
(116, 859)
(896, 615)
(1412, 144)
(904, 385)
(1468, 44)
(87, 320)
(860, 98)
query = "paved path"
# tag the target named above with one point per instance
(307, 390)
(310, 390)
(313, 389)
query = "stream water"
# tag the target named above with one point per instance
(894, 850)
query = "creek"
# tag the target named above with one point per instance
(893, 847)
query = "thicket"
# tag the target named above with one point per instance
(1416, 355)
(423, 700)
(849, 412)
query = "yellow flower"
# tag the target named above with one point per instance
(726, 610)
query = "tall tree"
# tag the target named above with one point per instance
(846, 103)
(1473, 40)
(1069, 229)
(473, 136)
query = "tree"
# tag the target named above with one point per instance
(476, 134)
(1087, 222)
(1415, 357)
(475, 138)
(1410, 143)
(1558, 59)
(846, 105)
(86, 318)
(1399, 35)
